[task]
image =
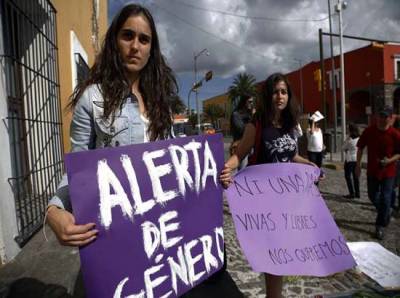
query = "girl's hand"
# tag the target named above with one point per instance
(226, 176)
(68, 233)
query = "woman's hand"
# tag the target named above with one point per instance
(226, 176)
(233, 147)
(68, 233)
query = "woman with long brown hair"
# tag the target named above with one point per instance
(272, 136)
(125, 100)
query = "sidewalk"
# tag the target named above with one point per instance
(45, 263)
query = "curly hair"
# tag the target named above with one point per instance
(157, 82)
(266, 111)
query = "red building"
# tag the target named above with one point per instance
(372, 79)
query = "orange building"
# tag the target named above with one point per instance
(372, 79)
(222, 101)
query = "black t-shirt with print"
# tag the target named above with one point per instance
(278, 146)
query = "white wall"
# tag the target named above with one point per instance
(8, 222)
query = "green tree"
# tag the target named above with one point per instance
(243, 84)
(212, 112)
(177, 105)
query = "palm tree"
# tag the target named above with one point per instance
(213, 112)
(176, 104)
(243, 84)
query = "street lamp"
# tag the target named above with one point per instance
(196, 85)
(339, 8)
(333, 77)
(195, 56)
(301, 84)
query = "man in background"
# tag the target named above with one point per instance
(383, 143)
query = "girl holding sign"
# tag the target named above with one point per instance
(272, 135)
(125, 100)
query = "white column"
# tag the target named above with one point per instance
(8, 221)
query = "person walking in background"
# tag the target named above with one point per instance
(383, 143)
(350, 150)
(239, 118)
(272, 134)
(315, 142)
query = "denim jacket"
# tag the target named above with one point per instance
(90, 131)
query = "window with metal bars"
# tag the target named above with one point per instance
(82, 68)
(34, 118)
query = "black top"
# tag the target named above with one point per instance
(277, 145)
(239, 119)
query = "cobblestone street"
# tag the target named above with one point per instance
(356, 220)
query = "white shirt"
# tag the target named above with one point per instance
(315, 141)
(350, 149)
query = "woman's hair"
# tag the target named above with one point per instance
(354, 132)
(266, 110)
(157, 83)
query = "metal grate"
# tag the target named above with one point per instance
(34, 121)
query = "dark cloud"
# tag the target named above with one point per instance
(261, 46)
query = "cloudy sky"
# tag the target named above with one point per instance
(257, 36)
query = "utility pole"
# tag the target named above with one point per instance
(195, 56)
(301, 84)
(339, 8)
(333, 82)
(322, 63)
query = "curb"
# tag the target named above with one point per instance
(337, 165)
(333, 166)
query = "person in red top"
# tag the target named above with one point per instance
(383, 142)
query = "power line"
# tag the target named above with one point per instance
(209, 33)
(270, 19)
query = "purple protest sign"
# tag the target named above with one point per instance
(158, 209)
(283, 224)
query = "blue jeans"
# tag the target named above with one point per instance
(350, 175)
(380, 194)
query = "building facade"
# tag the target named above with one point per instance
(45, 47)
(223, 102)
(372, 79)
